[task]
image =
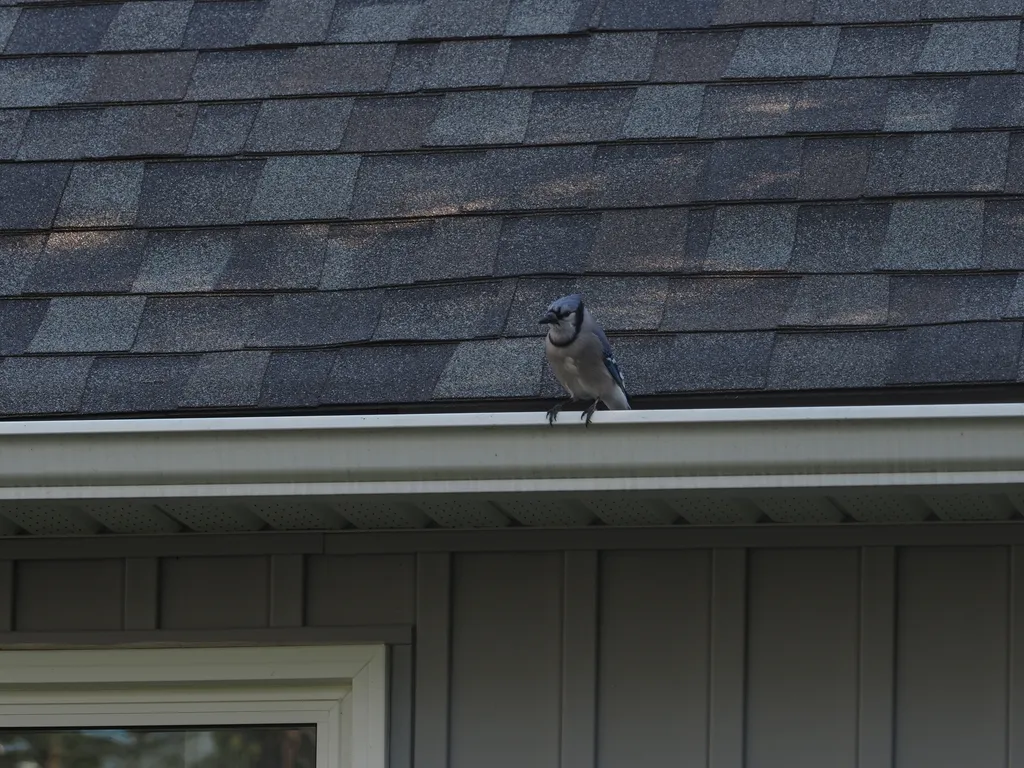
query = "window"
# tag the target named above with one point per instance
(237, 746)
(250, 707)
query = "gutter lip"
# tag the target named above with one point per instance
(830, 484)
(513, 419)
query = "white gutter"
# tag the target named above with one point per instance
(742, 448)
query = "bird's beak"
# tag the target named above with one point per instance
(547, 319)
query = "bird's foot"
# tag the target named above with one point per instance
(589, 413)
(553, 413)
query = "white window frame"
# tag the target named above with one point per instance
(342, 689)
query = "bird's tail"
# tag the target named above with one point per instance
(618, 401)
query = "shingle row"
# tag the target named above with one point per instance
(678, 173)
(771, 52)
(338, 187)
(227, 323)
(508, 368)
(488, 309)
(844, 238)
(155, 383)
(691, 110)
(513, 116)
(174, 24)
(176, 194)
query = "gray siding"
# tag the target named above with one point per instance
(234, 593)
(743, 657)
(952, 657)
(89, 597)
(506, 660)
(802, 658)
(654, 658)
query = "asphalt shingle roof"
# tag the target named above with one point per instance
(297, 204)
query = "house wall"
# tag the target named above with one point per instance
(577, 650)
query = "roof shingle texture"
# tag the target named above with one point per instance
(293, 204)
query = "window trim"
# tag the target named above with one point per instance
(341, 688)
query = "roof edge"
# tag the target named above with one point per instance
(419, 421)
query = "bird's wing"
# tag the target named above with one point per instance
(609, 358)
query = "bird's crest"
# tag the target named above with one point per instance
(566, 304)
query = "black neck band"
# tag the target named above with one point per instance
(575, 335)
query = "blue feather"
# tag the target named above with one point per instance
(609, 359)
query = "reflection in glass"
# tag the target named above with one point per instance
(292, 746)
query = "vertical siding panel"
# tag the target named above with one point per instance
(141, 592)
(802, 658)
(214, 592)
(579, 660)
(653, 659)
(952, 657)
(69, 595)
(400, 707)
(877, 657)
(287, 577)
(506, 660)
(6, 595)
(728, 658)
(433, 660)
(387, 593)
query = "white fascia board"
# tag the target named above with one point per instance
(741, 448)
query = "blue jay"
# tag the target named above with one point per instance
(581, 358)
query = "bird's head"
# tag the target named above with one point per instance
(564, 316)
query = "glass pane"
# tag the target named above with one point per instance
(292, 746)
